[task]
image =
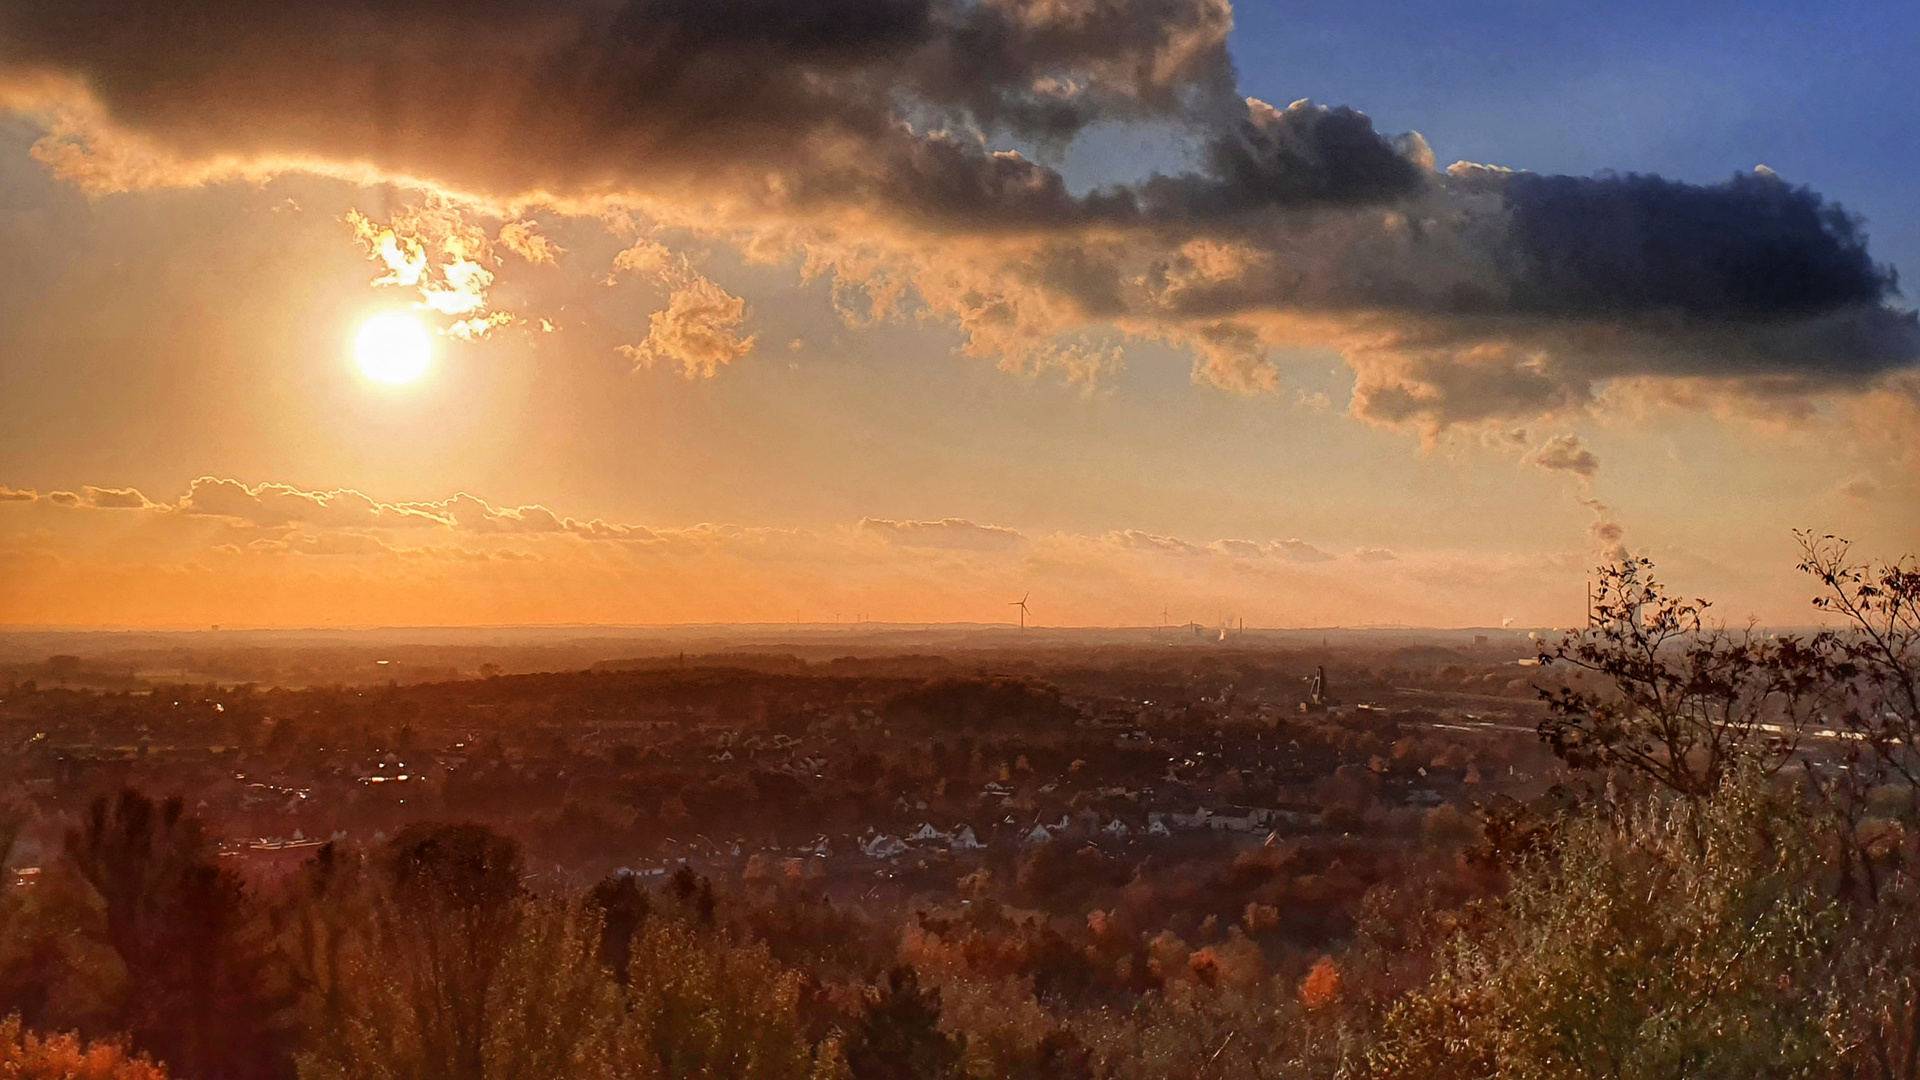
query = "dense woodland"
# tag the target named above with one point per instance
(1667, 848)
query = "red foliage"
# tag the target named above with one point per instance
(1322, 984)
(28, 1056)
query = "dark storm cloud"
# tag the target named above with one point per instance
(1490, 294)
(1750, 247)
(1256, 158)
(1459, 296)
(1478, 241)
(1297, 156)
(589, 96)
(874, 103)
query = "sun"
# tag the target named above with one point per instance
(393, 347)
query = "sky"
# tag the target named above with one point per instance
(1149, 310)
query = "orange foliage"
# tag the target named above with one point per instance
(1205, 966)
(28, 1056)
(1261, 918)
(1322, 984)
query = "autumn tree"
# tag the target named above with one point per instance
(1875, 650)
(58, 970)
(623, 906)
(899, 1038)
(201, 993)
(413, 940)
(1662, 692)
(694, 1003)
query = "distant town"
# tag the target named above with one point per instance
(872, 778)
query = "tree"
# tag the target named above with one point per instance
(415, 947)
(1875, 650)
(58, 970)
(1679, 699)
(695, 1004)
(623, 906)
(899, 1038)
(699, 1005)
(201, 995)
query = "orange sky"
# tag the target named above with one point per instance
(827, 359)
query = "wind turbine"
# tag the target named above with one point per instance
(1022, 605)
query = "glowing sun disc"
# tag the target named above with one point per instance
(393, 347)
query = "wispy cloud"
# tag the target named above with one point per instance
(1566, 453)
(225, 548)
(956, 533)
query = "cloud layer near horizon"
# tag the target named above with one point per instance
(873, 139)
(271, 554)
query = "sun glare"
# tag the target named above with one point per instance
(393, 347)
